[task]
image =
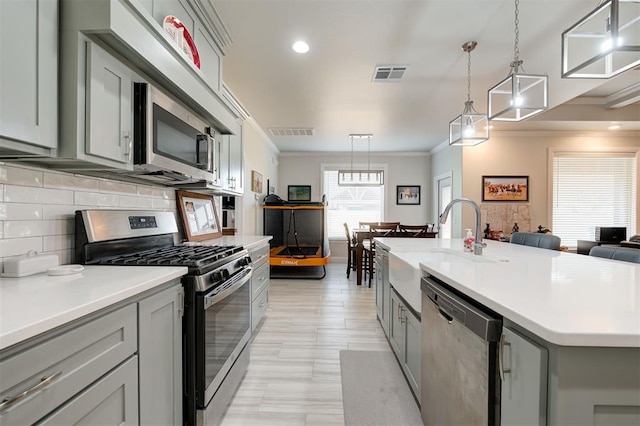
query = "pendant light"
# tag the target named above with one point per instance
(471, 127)
(604, 43)
(520, 95)
(367, 177)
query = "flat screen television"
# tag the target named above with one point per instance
(299, 193)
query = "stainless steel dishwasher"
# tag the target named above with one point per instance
(459, 372)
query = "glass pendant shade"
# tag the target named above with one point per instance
(469, 128)
(518, 97)
(604, 43)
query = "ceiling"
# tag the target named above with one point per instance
(330, 88)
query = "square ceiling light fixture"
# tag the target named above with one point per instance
(367, 177)
(520, 95)
(471, 127)
(604, 43)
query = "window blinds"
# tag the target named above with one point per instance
(592, 189)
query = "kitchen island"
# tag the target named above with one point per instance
(579, 314)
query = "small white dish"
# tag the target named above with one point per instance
(65, 270)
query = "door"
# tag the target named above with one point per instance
(397, 326)
(444, 191)
(524, 386)
(110, 107)
(29, 74)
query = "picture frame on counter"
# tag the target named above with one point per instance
(408, 195)
(505, 188)
(199, 216)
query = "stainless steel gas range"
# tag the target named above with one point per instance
(217, 311)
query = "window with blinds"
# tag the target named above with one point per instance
(350, 204)
(593, 189)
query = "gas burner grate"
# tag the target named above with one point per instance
(179, 255)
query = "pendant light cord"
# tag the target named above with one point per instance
(469, 76)
(516, 49)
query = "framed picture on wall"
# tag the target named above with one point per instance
(505, 188)
(299, 193)
(408, 194)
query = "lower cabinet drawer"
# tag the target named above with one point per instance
(43, 376)
(259, 280)
(260, 255)
(112, 400)
(259, 307)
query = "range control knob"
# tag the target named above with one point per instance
(216, 277)
(244, 261)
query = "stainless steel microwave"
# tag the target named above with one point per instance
(172, 145)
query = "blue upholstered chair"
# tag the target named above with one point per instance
(534, 239)
(616, 253)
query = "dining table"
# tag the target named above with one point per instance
(361, 234)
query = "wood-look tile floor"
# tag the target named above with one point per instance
(294, 374)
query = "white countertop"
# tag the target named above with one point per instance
(38, 303)
(565, 298)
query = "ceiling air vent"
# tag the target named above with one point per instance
(290, 131)
(389, 73)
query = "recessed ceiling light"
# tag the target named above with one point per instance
(615, 127)
(300, 47)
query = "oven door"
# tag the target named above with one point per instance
(223, 327)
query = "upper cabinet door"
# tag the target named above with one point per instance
(109, 106)
(236, 162)
(29, 75)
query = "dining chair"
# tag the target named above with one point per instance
(535, 239)
(416, 231)
(626, 254)
(351, 250)
(381, 229)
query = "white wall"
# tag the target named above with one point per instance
(262, 156)
(402, 169)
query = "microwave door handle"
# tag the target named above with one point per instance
(210, 146)
(199, 161)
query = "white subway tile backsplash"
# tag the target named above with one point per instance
(96, 199)
(167, 194)
(20, 211)
(34, 228)
(19, 246)
(20, 175)
(26, 194)
(146, 191)
(117, 187)
(68, 181)
(135, 201)
(159, 203)
(56, 211)
(58, 242)
(1, 192)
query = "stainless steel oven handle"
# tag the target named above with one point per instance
(210, 300)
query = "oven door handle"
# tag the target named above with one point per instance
(210, 300)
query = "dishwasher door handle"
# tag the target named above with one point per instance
(444, 315)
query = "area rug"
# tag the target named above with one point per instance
(374, 390)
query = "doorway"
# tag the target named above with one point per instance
(444, 194)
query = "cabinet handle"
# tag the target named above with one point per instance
(127, 144)
(503, 343)
(44, 382)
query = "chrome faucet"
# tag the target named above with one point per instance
(478, 245)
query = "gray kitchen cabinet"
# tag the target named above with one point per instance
(67, 362)
(29, 78)
(160, 354)
(405, 337)
(231, 163)
(524, 384)
(97, 119)
(122, 365)
(383, 288)
(259, 283)
(112, 400)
